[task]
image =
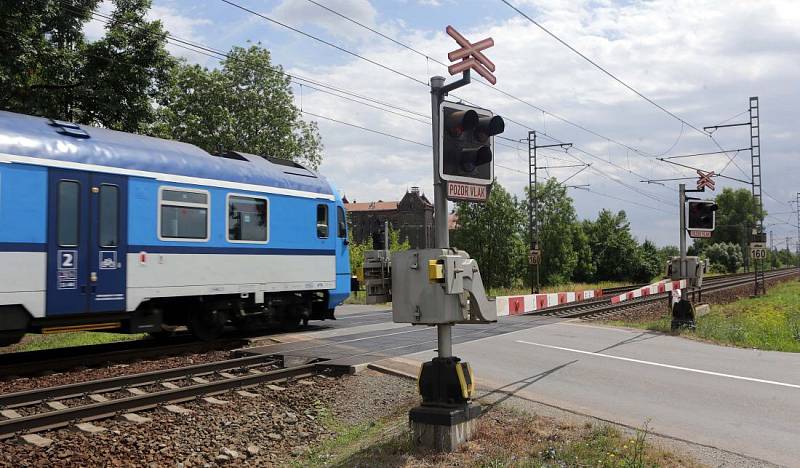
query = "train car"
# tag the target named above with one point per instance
(106, 230)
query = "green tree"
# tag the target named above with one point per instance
(491, 233)
(560, 238)
(724, 256)
(47, 67)
(245, 105)
(735, 218)
(651, 262)
(41, 55)
(395, 243)
(127, 70)
(614, 250)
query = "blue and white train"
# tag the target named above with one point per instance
(105, 230)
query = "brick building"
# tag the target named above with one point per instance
(412, 216)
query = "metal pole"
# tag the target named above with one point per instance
(444, 331)
(797, 246)
(531, 240)
(386, 236)
(536, 205)
(755, 164)
(682, 204)
(771, 247)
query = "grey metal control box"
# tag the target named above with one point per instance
(377, 276)
(436, 286)
(695, 268)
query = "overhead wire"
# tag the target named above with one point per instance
(493, 87)
(323, 41)
(383, 66)
(205, 50)
(602, 69)
(193, 46)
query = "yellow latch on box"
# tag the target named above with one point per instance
(435, 271)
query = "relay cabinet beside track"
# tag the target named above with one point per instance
(105, 230)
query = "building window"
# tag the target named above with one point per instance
(247, 219)
(322, 221)
(68, 213)
(184, 214)
(342, 222)
(109, 216)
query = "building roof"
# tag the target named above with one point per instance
(372, 206)
(46, 139)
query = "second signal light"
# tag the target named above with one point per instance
(466, 136)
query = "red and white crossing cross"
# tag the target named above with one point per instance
(471, 56)
(705, 180)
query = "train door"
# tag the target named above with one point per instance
(342, 252)
(87, 242)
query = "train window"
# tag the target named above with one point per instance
(322, 221)
(109, 216)
(68, 212)
(247, 219)
(341, 222)
(183, 215)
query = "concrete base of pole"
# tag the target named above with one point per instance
(443, 429)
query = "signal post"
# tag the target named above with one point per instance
(442, 286)
(701, 224)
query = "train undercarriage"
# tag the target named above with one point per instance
(205, 316)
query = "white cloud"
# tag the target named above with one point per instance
(303, 13)
(700, 59)
(182, 26)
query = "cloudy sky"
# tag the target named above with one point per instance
(699, 59)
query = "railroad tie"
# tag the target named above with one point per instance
(36, 440)
(215, 401)
(135, 418)
(57, 405)
(177, 409)
(10, 414)
(90, 428)
(137, 391)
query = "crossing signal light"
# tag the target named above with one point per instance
(702, 215)
(465, 136)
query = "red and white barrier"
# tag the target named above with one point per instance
(655, 288)
(517, 305)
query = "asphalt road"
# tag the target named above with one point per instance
(740, 400)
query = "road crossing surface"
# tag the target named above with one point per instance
(740, 400)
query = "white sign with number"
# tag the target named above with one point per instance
(758, 250)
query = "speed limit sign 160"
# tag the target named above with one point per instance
(758, 253)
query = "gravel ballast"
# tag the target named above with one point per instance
(279, 424)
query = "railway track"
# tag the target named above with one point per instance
(602, 307)
(34, 362)
(53, 407)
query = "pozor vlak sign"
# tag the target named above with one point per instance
(467, 192)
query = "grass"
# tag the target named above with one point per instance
(357, 297)
(34, 342)
(503, 437)
(770, 322)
